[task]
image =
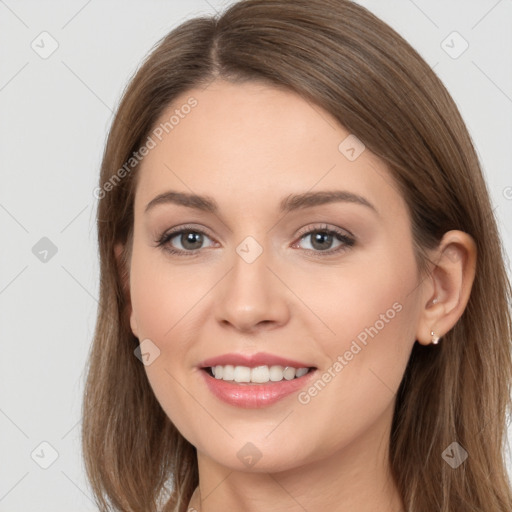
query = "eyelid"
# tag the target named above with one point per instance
(169, 234)
(186, 227)
(325, 227)
(347, 238)
(303, 231)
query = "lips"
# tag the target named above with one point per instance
(259, 359)
(254, 396)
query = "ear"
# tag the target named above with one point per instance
(122, 265)
(448, 286)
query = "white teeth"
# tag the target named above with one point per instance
(301, 371)
(228, 372)
(242, 374)
(258, 374)
(289, 373)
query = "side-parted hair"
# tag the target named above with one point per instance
(339, 56)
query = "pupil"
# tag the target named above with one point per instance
(321, 237)
(191, 238)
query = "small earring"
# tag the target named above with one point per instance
(435, 301)
(435, 338)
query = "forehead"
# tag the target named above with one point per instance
(251, 141)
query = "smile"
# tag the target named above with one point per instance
(257, 375)
(255, 395)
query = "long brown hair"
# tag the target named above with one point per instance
(339, 56)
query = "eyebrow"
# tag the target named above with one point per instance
(288, 204)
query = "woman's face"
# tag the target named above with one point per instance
(276, 269)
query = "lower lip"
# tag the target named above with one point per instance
(254, 396)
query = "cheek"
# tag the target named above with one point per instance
(165, 299)
(373, 326)
(370, 298)
(368, 355)
(160, 302)
(161, 294)
(378, 309)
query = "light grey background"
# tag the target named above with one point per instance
(55, 113)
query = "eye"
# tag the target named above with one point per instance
(189, 240)
(322, 238)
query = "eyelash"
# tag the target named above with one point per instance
(347, 241)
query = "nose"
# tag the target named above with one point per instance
(252, 297)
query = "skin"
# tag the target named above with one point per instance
(248, 146)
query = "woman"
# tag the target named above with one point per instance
(304, 303)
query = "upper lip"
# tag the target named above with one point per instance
(252, 360)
